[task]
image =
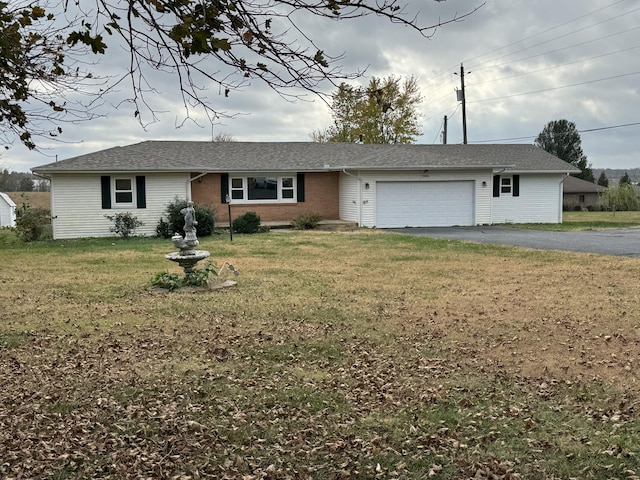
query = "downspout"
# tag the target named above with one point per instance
(188, 185)
(560, 188)
(344, 170)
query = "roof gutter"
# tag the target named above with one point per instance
(41, 175)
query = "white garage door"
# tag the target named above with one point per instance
(424, 204)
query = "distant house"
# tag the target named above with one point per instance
(580, 194)
(7, 211)
(382, 186)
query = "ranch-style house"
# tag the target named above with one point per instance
(382, 186)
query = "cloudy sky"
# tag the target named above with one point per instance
(526, 63)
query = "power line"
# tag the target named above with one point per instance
(608, 128)
(556, 88)
(559, 65)
(559, 49)
(457, 106)
(545, 31)
(438, 132)
(449, 117)
(512, 139)
(541, 33)
(588, 130)
(558, 38)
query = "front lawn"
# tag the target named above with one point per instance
(337, 355)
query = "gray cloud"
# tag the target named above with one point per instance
(528, 63)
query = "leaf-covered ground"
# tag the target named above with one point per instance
(337, 356)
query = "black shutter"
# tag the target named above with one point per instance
(516, 185)
(496, 185)
(141, 192)
(105, 189)
(300, 187)
(224, 187)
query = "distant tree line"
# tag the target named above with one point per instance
(22, 182)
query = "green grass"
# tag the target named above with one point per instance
(572, 221)
(11, 340)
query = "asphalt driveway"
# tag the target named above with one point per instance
(622, 242)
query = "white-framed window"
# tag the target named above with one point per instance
(123, 191)
(262, 188)
(505, 184)
(236, 188)
(509, 185)
(288, 187)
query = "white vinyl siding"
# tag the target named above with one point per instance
(7, 211)
(349, 198)
(540, 201)
(76, 204)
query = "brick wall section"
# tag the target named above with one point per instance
(321, 196)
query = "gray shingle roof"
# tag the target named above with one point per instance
(185, 156)
(577, 185)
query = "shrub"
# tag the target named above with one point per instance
(201, 277)
(205, 216)
(306, 221)
(32, 224)
(197, 278)
(247, 223)
(170, 281)
(163, 229)
(124, 223)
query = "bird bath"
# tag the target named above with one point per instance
(188, 261)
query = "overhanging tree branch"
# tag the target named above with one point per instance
(242, 39)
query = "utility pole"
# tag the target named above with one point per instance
(462, 98)
(464, 107)
(444, 131)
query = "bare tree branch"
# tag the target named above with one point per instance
(243, 40)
